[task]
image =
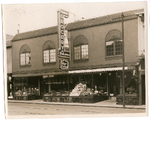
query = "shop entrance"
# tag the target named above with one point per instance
(100, 82)
(113, 84)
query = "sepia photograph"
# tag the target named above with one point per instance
(75, 59)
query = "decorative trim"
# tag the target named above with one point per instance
(113, 57)
(81, 60)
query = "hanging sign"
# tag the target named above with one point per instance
(64, 64)
(62, 34)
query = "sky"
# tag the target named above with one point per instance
(36, 16)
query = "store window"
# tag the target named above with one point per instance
(25, 55)
(26, 86)
(49, 52)
(80, 46)
(113, 43)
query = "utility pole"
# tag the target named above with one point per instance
(123, 60)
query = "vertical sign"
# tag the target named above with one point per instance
(62, 34)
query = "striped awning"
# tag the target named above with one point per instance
(99, 70)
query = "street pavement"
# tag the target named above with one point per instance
(45, 109)
(107, 103)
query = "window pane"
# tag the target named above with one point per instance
(46, 56)
(110, 48)
(28, 58)
(77, 52)
(118, 47)
(22, 59)
(52, 55)
(84, 51)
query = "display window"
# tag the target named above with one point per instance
(26, 86)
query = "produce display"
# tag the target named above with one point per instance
(26, 92)
(80, 88)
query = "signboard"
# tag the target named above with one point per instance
(62, 34)
(64, 64)
(50, 76)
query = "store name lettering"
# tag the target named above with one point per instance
(62, 52)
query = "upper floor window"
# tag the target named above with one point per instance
(25, 55)
(114, 43)
(80, 46)
(49, 52)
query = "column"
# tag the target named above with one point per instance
(68, 83)
(79, 78)
(39, 86)
(108, 92)
(49, 85)
(121, 83)
(140, 89)
(92, 81)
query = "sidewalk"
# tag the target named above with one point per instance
(107, 103)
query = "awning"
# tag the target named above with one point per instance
(71, 72)
(99, 70)
(39, 74)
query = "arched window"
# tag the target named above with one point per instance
(25, 55)
(113, 43)
(80, 47)
(49, 52)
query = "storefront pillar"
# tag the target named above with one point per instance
(108, 92)
(49, 86)
(79, 78)
(121, 83)
(68, 83)
(39, 85)
(92, 80)
(140, 90)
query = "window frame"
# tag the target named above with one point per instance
(25, 59)
(114, 48)
(49, 56)
(80, 52)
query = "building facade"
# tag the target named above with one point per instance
(9, 64)
(95, 47)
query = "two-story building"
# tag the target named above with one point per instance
(95, 47)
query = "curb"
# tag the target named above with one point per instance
(69, 104)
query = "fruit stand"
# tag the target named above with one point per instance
(80, 94)
(27, 95)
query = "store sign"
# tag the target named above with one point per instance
(62, 34)
(50, 76)
(45, 77)
(64, 64)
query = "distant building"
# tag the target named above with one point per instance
(9, 63)
(95, 46)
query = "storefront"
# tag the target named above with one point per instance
(25, 88)
(84, 84)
